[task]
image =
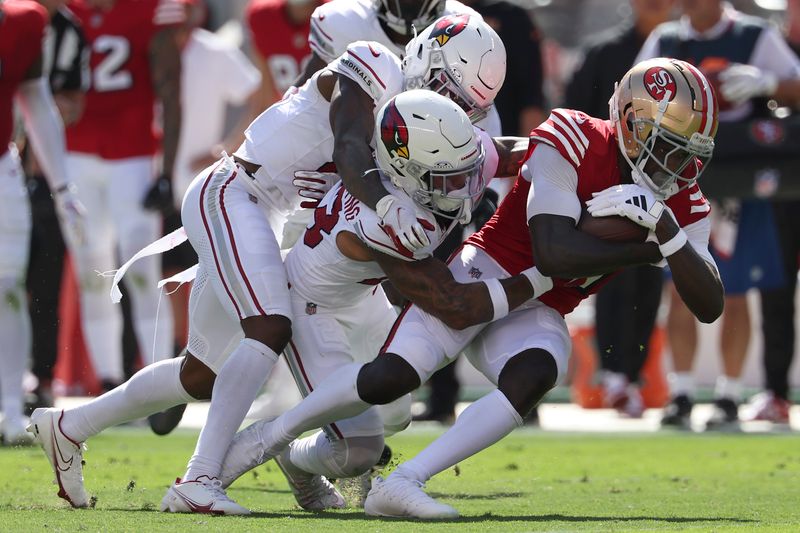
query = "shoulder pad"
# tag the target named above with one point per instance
(374, 67)
(369, 229)
(571, 132)
(333, 26)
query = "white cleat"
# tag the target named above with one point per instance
(313, 492)
(398, 496)
(15, 432)
(247, 451)
(64, 454)
(204, 495)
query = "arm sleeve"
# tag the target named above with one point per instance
(45, 128)
(698, 235)
(554, 184)
(772, 54)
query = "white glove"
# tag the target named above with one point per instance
(743, 82)
(71, 214)
(629, 200)
(402, 222)
(313, 185)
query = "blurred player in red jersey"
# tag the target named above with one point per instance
(22, 29)
(135, 61)
(279, 32)
(643, 165)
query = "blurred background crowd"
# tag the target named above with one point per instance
(635, 345)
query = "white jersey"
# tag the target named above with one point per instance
(320, 273)
(295, 133)
(338, 23)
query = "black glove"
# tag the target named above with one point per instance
(485, 208)
(159, 197)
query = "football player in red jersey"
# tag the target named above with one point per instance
(279, 30)
(642, 164)
(22, 28)
(135, 62)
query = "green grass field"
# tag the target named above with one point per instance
(531, 481)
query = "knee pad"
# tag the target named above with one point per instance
(352, 456)
(396, 416)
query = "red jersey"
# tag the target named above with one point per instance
(590, 145)
(22, 25)
(117, 122)
(282, 43)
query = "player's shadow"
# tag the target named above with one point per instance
(487, 496)
(351, 514)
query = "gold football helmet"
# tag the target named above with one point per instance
(665, 114)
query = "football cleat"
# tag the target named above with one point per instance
(768, 407)
(65, 455)
(725, 416)
(204, 495)
(678, 413)
(15, 432)
(398, 496)
(247, 451)
(312, 491)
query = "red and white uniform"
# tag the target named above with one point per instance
(111, 159)
(117, 122)
(22, 29)
(341, 314)
(234, 220)
(571, 156)
(282, 43)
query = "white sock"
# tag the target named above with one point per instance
(15, 340)
(681, 383)
(480, 425)
(101, 325)
(237, 385)
(155, 336)
(334, 399)
(728, 387)
(152, 389)
(343, 458)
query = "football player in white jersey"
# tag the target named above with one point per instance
(393, 23)
(432, 155)
(233, 213)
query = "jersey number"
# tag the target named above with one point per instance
(109, 74)
(323, 221)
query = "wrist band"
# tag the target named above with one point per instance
(540, 283)
(673, 245)
(498, 296)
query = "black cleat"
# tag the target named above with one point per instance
(164, 422)
(678, 413)
(725, 416)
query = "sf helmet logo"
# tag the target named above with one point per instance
(449, 27)
(394, 133)
(657, 81)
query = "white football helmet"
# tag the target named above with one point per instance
(461, 57)
(428, 148)
(403, 16)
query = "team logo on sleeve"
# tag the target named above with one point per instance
(394, 132)
(449, 27)
(657, 81)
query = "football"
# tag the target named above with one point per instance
(612, 228)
